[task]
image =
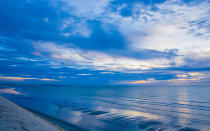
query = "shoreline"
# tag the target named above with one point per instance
(16, 118)
(55, 121)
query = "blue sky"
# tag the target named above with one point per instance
(106, 42)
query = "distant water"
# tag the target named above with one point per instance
(104, 108)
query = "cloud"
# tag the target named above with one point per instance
(182, 75)
(74, 27)
(182, 78)
(27, 59)
(15, 78)
(9, 78)
(172, 25)
(192, 76)
(105, 72)
(84, 74)
(177, 81)
(196, 74)
(80, 12)
(137, 82)
(132, 41)
(86, 8)
(189, 77)
(46, 79)
(95, 60)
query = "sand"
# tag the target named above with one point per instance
(15, 118)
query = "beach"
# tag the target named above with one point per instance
(15, 118)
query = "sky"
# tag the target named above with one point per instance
(105, 42)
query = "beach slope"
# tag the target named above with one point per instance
(15, 118)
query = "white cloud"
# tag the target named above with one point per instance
(83, 10)
(78, 58)
(84, 74)
(27, 59)
(106, 72)
(11, 78)
(183, 78)
(73, 27)
(174, 25)
(86, 8)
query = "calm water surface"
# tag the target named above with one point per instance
(100, 108)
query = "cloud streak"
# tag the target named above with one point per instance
(96, 60)
(9, 78)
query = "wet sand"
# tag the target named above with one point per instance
(15, 118)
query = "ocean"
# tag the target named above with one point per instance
(119, 108)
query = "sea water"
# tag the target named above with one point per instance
(120, 108)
